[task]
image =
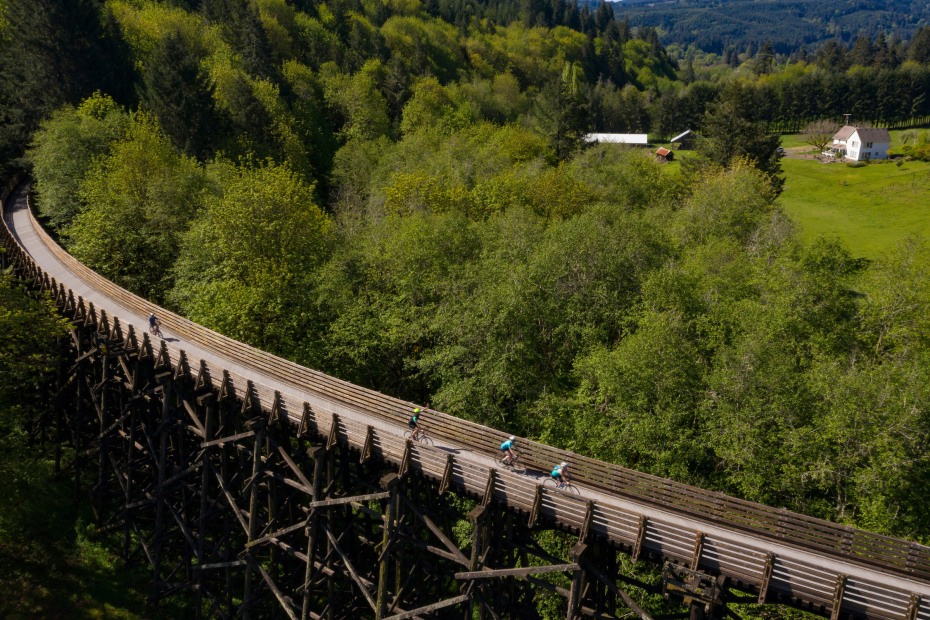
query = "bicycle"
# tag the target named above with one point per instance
(567, 487)
(516, 466)
(422, 438)
(155, 330)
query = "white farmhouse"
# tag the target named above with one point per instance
(861, 143)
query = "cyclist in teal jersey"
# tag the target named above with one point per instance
(507, 448)
(560, 473)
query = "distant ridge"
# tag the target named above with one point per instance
(713, 25)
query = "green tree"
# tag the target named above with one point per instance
(30, 335)
(139, 199)
(180, 96)
(728, 134)
(248, 262)
(433, 107)
(360, 110)
(54, 52)
(560, 112)
(64, 149)
(242, 27)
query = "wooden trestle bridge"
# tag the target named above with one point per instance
(265, 489)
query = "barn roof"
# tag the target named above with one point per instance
(618, 138)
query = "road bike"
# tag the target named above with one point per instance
(516, 465)
(155, 329)
(422, 438)
(567, 487)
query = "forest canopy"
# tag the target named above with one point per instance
(399, 194)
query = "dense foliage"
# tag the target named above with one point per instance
(789, 24)
(401, 196)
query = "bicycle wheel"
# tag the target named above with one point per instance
(408, 434)
(426, 440)
(518, 467)
(550, 483)
(571, 488)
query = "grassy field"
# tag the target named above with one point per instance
(870, 208)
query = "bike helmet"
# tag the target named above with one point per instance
(563, 464)
(512, 438)
(417, 410)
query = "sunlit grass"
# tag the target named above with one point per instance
(871, 208)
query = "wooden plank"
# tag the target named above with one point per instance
(447, 474)
(285, 605)
(516, 572)
(640, 538)
(627, 600)
(838, 593)
(326, 503)
(913, 607)
(698, 549)
(366, 447)
(278, 533)
(459, 556)
(350, 569)
(228, 439)
(216, 565)
(537, 504)
(430, 608)
(766, 577)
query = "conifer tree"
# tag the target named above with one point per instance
(59, 51)
(180, 96)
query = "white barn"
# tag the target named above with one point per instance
(618, 138)
(861, 143)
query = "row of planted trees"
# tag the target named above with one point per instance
(787, 101)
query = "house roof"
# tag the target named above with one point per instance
(873, 134)
(866, 134)
(663, 152)
(844, 132)
(618, 138)
(681, 135)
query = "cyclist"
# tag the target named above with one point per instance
(507, 449)
(560, 474)
(154, 325)
(414, 424)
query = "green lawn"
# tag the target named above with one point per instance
(870, 208)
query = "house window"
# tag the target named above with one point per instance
(854, 143)
(868, 145)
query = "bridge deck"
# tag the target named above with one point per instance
(787, 554)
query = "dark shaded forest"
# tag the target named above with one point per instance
(402, 197)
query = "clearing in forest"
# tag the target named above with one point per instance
(870, 208)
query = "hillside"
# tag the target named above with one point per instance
(712, 25)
